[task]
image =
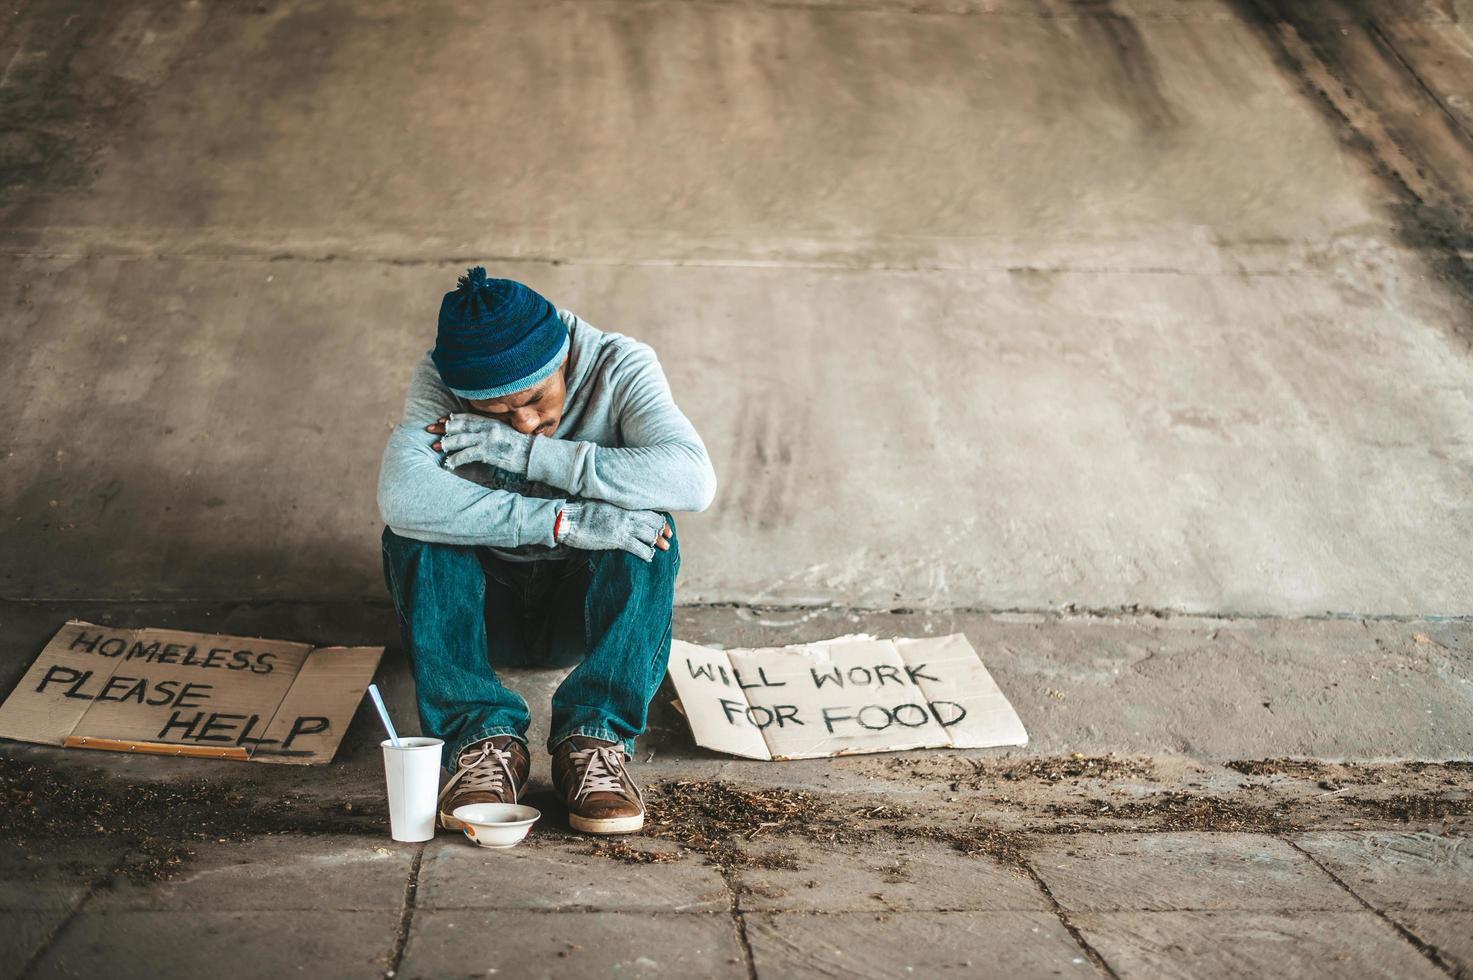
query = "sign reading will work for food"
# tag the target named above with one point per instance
(842, 696)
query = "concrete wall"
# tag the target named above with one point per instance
(1003, 305)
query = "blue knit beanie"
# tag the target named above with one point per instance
(496, 336)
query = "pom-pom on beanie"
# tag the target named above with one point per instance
(496, 336)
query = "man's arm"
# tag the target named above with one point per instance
(418, 498)
(663, 464)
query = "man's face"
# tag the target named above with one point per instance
(535, 410)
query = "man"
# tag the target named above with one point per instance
(527, 496)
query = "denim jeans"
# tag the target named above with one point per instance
(462, 610)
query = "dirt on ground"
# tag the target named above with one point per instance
(1182, 811)
(995, 808)
(716, 819)
(983, 773)
(618, 850)
(1355, 773)
(159, 824)
(1057, 796)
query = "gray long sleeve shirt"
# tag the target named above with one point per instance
(621, 439)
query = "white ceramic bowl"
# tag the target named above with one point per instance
(498, 825)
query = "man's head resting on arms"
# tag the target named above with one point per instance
(502, 347)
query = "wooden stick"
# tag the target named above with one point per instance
(154, 748)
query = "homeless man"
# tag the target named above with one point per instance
(527, 493)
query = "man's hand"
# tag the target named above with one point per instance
(596, 526)
(476, 439)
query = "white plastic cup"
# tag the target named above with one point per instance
(412, 771)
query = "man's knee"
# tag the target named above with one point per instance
(407, 559)
(665, 561)
(398, 545)
(662, 566)
(674, 553)
(395, 543)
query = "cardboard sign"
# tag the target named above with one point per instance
(842, 696)
(200, 694)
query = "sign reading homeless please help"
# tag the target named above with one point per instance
(842, 696)
(178, 693)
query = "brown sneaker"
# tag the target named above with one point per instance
(493, 770)
(590, 775)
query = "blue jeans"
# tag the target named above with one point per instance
(462, 609)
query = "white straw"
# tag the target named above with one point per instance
(383, 713)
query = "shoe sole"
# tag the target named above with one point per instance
(606, 825)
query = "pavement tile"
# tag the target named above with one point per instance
(575, 945)
(1451, 933)
(276, 873)
(127, 944)
(456, 874)
(1399, 870)
(1106, 872)
(51, 876)
(1223, 945)
(922, 944)
(912, 876)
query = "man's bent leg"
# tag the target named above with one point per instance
(440, 593)
(628, 611)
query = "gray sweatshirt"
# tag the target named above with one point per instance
(621, 439)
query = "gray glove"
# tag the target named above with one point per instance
(483, 440)
(597, 526)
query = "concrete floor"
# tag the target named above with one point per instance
(1130, 337)
(1179, 865)
(1194, 904)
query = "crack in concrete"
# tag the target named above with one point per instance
(28, 968)
(1092, 954)
(406, 916)
(858, 265)
(739, 921)
(584, 909)
(1050, 613)
(1426, 949)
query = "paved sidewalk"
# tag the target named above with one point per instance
(1032, 868)
(1153, 825)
